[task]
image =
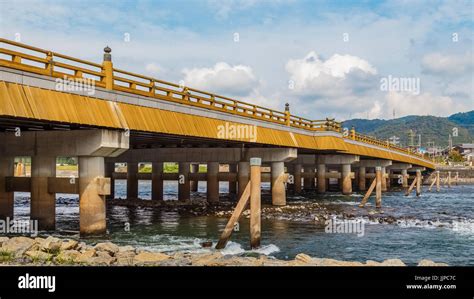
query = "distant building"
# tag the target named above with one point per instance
(466, 150)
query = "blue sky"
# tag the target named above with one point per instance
(326, 58)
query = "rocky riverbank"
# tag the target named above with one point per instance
(52, 251)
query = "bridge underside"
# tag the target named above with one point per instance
(114, 127)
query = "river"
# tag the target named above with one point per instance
(436, 226)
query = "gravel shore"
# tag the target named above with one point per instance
(52, 251)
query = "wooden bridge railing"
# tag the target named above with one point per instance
(27, 58)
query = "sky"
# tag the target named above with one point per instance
(342, 59)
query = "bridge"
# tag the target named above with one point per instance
(53, 105)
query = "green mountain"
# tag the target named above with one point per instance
(464, 119)
(431, 128)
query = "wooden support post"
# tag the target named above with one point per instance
(255, 202)
(437, 181)
(241, 205)
(411, 187)
(418, 182)
(449, 179)
(378, 187)
(368, 193)
(432, 183)
(456, 178)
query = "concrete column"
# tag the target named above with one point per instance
(92, 210)
(233, 185)
(184, 190)
(212, 182)
(297, 178)
(321, 178)
(132, 180)
(194, 184)
(308, 183)
(156, 181)
(362, 179)
(109, 170)
(346, 179)
(43, 203)
(243, 176)
(278, 184)
(6, 198)
(389, 179)
(404, 178)
(384, 180)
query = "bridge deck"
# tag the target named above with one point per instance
(142, 104)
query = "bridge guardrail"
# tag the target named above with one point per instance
(62, 66)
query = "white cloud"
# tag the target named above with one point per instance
(154, 68)
(439, 64)
(423, 104)
(340, 75)
(238, 80)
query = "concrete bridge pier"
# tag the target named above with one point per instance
(43, 203)
(308, 181)
(403, 168)
(346, 175)
(90, 146)
(212, 182)
(184, 187)
(404, 173)
(109, 172)
(92, 190)
(384, 179)
(232, 184)
(194, 183)
(321, 180)
(156, 181)
(346, 179)
(132, 180)
(6, 197)
(362, 178)
(297, 178)
(278, 183)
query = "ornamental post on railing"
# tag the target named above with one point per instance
(353, 133)
(287, 114)
(108, 69)
(49, 65)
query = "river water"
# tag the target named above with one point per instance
(436, 226)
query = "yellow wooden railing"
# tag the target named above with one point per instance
(27, 58)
